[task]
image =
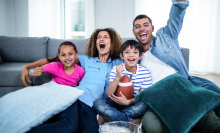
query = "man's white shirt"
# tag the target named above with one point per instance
(159, 69)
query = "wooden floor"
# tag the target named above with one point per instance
(211, 77)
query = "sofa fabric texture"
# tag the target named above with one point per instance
(18, 51)
(0, 59)
(10, 74)
(23, 49)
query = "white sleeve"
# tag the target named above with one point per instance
(112, 74)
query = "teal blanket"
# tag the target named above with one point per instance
(178, 102)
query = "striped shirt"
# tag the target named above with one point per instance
(140, 80)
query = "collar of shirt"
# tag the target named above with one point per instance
(96, 59)
(125, 70)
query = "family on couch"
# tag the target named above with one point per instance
(161, 55)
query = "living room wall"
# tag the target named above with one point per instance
(117, 14)
(14, 17)
(7, 19)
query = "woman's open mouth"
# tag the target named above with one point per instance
(102, 46)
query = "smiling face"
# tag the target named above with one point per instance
(143, 32)
(103, 43)
(130, 56)
(67, 55)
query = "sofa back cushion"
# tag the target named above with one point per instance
(23, 49)
(54, 43)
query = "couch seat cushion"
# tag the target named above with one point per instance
(10, 74)
(44, 78)
(0, 59)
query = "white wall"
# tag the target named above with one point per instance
(21, 17)
(14, 17)
(6, 18)
(117, 14)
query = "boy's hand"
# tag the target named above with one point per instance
(119, 70)
(38, 71)
(120, 100)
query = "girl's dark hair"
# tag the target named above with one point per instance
(131, 43)
(63, 43)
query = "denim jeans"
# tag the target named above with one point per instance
(78, 118)
(208, 85)
(115, 112)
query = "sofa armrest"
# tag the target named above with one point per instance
(185, 53)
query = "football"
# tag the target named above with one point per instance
(126, 87)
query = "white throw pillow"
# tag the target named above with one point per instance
(29, 107)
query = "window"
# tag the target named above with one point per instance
(75, 18)
(61, 19)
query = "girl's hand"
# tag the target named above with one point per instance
(119, 70)
(25, 76)
(120, 100)
(38, 71)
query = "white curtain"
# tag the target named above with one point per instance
(200, 32)
(46, 18)
(90, 18)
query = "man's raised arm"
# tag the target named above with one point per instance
(176, 16)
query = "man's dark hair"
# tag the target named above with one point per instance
(133, 44)
(141, 16)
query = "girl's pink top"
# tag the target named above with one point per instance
(60, 76)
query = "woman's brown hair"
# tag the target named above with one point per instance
(116, 42)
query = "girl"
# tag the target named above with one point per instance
(63, 67)
(64, 71)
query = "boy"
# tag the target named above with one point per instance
(120, 108)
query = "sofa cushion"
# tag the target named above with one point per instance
(5, 90)
(185, 53)
(29, 107)
(11, 74)
(23, 49)
(178, 102)
(44, 78)
(54, 43)
(0, 59)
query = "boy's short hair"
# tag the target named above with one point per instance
(131, 43)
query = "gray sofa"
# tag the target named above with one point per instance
(18, 51)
